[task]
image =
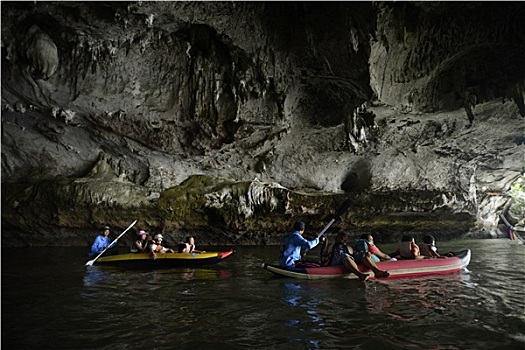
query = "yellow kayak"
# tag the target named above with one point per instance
(144, 260)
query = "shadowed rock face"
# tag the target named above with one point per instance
(41, 54)
(231, 120)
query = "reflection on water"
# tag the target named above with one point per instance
(97, 275)
(94, 276)
(432, 293)
(51, 300)
(292, 295)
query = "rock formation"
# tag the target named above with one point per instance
(232, 119)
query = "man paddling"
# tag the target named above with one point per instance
(290, 251)
(101, 243)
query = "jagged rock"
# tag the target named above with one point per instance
(42, 54)
(396, 105)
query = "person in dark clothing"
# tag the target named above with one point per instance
(340, 253)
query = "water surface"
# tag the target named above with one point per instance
(51, 300)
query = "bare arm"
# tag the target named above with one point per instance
(382, 255)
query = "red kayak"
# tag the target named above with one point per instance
(397, 269)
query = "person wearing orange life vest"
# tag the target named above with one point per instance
(408, 249)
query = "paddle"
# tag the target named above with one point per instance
(90, 262)
(340, 211)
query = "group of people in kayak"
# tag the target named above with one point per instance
(153, 246)
(294, 247)
(143, 244)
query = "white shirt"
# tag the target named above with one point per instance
(153, 247)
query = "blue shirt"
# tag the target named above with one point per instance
(290, 251)
(99, 244)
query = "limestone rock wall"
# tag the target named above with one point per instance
(108, 109)
(428, 57)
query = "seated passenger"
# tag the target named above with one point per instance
(156, 246)
(189, 246)
(340, 253)
(408, 249)
(429, 249)
(376, 254)
(374, 250)
(141, 244)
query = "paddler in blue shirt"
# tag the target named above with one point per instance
(101, 243)
(290, 251)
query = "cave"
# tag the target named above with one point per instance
(261, 113)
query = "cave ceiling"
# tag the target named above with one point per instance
(281, 91)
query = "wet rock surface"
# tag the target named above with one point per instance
(231, 120)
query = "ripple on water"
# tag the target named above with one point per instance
(239, 305)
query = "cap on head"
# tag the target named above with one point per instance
(159, 236)
(106, 228)
(142, 232)
(298, 226)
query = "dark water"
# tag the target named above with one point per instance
(50, 300)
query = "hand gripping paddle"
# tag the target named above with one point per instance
(90, 262)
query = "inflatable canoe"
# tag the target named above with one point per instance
(397, 269)
(164, 260)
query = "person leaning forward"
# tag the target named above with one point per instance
(290, 250)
